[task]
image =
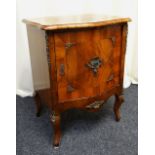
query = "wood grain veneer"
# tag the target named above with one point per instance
(77, 62)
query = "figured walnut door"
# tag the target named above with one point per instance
(74, 50)
(85, 61)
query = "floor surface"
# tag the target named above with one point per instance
(84, 133)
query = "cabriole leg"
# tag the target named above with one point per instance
(38, 104)
(56, 120)
(118, 102)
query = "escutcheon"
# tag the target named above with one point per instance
(94, 64)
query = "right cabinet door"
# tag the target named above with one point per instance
(110, 52)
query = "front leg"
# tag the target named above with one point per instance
(118, 102)
(56, 120)
(38, 104)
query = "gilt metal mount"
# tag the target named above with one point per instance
(94, 64)
(69, 45)
(95, 105)
(111, 77)
(62, 69)
(113, 39)
(70, 88)
(52, 117)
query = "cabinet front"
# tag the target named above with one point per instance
(87, 61)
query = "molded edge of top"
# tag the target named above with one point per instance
(72, 22)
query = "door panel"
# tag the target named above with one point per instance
(77, 53)
(77, 81)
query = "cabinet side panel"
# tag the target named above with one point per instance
(123, 51)
(38, 55)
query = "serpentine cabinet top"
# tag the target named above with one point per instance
(69, 22)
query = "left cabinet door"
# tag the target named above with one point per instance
(74, 54)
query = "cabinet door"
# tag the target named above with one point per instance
(74, 51)
(88, 61)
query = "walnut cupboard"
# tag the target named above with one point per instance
(77, 62)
